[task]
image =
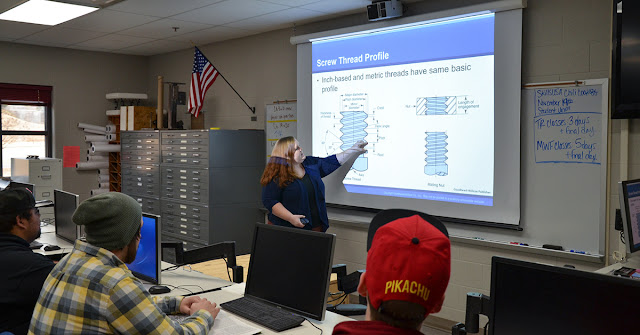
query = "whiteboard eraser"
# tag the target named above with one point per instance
(552, 247)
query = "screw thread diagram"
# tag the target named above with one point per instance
(353, 130)
(436, 154)
(437, 105)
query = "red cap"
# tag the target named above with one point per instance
(409, 260)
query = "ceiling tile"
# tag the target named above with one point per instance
(211, 35)
(229, 11)
(88, 48)
(160, 8)
(10, 30)
(61, 36)
(163, 28)
(108, 21)
(292, 3)
(339, 6)
(156, 47)
(114, 42)
(276, 20)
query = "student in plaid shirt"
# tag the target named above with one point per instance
(91, 291)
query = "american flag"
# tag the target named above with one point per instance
(204, 74)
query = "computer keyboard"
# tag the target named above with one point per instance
(269, 316)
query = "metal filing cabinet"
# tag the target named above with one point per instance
(44, 173)
(140, 168)
(210, 186)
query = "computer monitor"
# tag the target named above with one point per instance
(630, 208)
(291, 268)
(65, 205)
(16, 184)
(146, 266)
(532, 299)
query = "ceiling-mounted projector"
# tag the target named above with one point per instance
(384, 9)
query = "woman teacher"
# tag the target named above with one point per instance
(292, 187)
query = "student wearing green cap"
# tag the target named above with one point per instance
(92, 291)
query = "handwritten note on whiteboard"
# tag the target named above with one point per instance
(281, 122)
(567, 128)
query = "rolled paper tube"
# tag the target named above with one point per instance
(113, 112)
(103, 171)
(103, 178)
(105, 148)
(110, 128)
(95, 131)
(103, 185)
(86, 126)
(99, 191)
(101, 154)
(97, 158)
(94, 138)
(92, 165)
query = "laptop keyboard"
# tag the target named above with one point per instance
(269, 316)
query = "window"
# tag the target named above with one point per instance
(25, 123)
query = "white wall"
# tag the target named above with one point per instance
(80, 80)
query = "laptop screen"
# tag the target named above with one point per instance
(147, 263)
(291, 268)
(65, 204)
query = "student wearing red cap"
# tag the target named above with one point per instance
(407, 273)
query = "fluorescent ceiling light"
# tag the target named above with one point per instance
(45, 12)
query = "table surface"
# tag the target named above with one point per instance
(226, 291)
(236, 291)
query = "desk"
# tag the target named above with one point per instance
(50, 238)
(230, 291)
(218, 268)
(236, 291)
(630, 263)
(189, 281)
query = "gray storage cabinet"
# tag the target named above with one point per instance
(209, 186)
(140, 168)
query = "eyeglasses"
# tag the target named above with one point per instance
(297, 148)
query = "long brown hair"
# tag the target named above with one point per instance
(280, 167)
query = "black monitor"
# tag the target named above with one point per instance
(532, 299)
(65, 205)
(630, 209)
(291, 268)
(146, 266)
(17, 184)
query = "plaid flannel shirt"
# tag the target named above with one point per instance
(91, 291)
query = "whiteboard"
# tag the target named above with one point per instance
(281, 121)
(563, 168)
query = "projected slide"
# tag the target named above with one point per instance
(423, 97)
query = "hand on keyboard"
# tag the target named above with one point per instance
(205, 304)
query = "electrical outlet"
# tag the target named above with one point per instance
(254, 118)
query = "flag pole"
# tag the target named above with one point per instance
(252, 109)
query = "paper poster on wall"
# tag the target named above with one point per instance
(281, 121)
(71, 155)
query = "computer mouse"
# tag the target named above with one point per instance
(159, 289)
(51, 247)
